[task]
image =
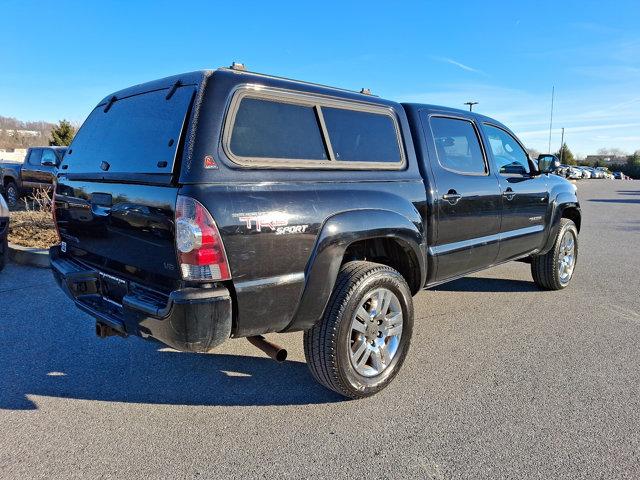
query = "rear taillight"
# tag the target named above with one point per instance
(200, 250)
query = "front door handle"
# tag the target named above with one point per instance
(452, 197)
(509, 194)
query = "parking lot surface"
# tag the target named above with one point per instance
(502, 380)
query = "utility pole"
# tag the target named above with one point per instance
(471, 104)
(553, 91)
(562, 146)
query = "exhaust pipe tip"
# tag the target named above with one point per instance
(104, 331)
(281, 355)
(273, 351)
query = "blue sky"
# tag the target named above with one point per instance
(59, 58)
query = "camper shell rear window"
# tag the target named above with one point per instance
(138, 134)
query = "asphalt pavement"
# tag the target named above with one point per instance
(502, 381)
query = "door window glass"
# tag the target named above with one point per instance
(49, 155)
(457, 145)
(509, 156)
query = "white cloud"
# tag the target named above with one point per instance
(459, 65)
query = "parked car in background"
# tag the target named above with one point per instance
(585, 172)
(38, 170)
(575, 173)
(594, 173)
(4, 232)
(213, 205)
(563, 170)
(618, 175)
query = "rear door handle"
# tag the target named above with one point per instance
(452, 197)
(509, 194)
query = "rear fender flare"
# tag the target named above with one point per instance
(338, 232)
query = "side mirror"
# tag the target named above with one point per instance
(548, 163)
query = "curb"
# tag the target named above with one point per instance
(35, 257)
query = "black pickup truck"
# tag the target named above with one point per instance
(37, 171)
(226, 204)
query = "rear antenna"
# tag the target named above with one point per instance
(365, 91)
(238, 66)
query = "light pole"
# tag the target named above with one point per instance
(553, 93)
(471, 104)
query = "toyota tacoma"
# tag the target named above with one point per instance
(226, 204)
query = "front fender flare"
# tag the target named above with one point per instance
(338, 232)
(561, 202)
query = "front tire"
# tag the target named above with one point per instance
(554, 270)
(359, 345)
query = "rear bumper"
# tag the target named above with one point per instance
(190, 319)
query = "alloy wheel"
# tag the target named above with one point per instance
(566, 257)
(376, 329)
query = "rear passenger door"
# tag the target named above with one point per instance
(467, 196)
(525, 198)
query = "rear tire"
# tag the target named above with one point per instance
(11, 193)
(554, 270)
(359, 345)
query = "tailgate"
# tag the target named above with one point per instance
(116, 194)
(123, 228)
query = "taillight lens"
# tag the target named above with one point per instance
(201, 253)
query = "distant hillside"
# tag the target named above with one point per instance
(15, 133)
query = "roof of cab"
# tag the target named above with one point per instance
(454, 111)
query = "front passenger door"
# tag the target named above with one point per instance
(525, 198)
(45, 173)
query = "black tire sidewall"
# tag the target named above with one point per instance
(11, 185)
(361, 385)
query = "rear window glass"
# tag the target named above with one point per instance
(457, 145)
(270, 129)
(138, 134)
(358, 136)
(35, 156)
